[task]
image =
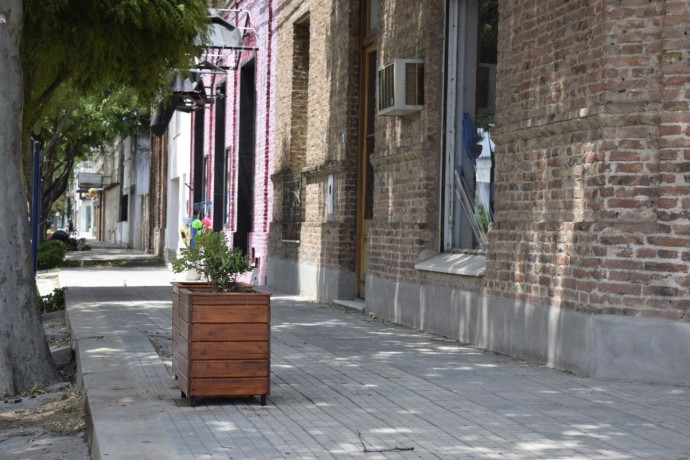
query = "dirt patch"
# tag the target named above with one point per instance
(46, 423)
(59, 410)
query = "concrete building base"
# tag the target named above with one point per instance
(318, 283)
(604, 346)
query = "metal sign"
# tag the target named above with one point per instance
(89, 180)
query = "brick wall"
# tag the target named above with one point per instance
(299, 102)
(154, 221)
(592, 180)
(262, 19)
(408, 149)
(321, 140)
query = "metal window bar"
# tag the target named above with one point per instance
(202, 208)
(466, 199)
(292, 206)
(464, 193)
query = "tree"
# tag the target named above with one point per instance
(76, 126)
(24, 354)
(45, 44)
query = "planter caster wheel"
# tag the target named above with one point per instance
(263, 400)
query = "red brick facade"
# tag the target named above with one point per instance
(316, 136)
(592, 158)
(592, 180)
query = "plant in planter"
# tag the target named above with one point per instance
(215, 260)
(221, 328)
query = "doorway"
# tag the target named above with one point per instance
(365, 171)
(220, 168)
(245, 160)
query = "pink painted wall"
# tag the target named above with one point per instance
(260, 17)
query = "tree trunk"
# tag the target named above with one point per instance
(55, 181)
(25, 359)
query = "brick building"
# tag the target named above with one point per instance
(233, 137)
(581, 110)
(213, 142)
(123, 206)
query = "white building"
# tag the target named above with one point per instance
(178, 186)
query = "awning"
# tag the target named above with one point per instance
(161, 116)
(188, 91)
(222, 34)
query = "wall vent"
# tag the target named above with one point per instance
(401, 87)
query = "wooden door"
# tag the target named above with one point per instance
(365, 172)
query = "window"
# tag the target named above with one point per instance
(293, 193)
(220, 169)
(372, 11)
(292, 206)
(470, 109)
(124, 204)
(244, 206)
(199, 169)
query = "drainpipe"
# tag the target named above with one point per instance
(267, 148)
(35, 202)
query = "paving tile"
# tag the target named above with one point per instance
(335, 374)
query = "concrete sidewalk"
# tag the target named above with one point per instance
(100, 253)
(344, 385)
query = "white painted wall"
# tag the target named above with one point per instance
(179, 156)
(112, 212)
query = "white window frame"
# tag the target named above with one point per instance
(461, 65)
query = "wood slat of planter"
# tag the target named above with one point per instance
(236, 350)
(183, 330)
(199, 296)
(182, 381)
(210, 313)
(182, 348)
(183, 365)
(229, 387)
(177, 286)
(229, 332)
(183, 311)
(229, 368)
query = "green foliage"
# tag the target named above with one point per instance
(51, 254)
(52, 302)
(81, 49)
(134, 43)
(485, 123)
(94, 119)
(74, 126)
(92, 69)
(215, 260)
(482, 217)
(488, 31)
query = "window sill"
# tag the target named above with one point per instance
(455, 264)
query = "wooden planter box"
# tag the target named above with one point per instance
(221, 344)
(177, 286)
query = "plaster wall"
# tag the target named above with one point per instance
(319, 283)
(603, 346)
(179, 152)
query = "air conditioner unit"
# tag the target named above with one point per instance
(401, 87)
